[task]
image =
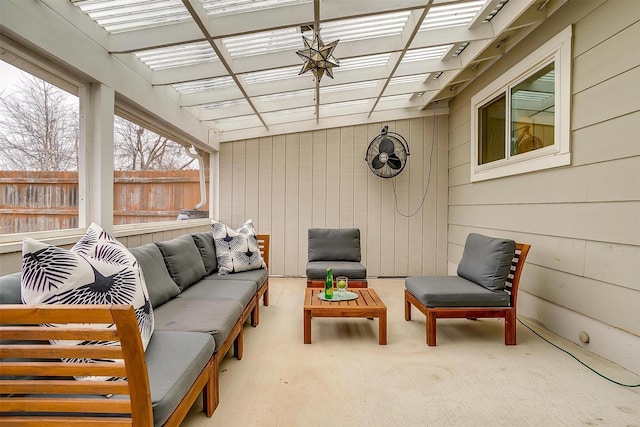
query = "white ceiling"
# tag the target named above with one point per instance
(233, 63)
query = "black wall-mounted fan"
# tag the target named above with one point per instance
(387, 154)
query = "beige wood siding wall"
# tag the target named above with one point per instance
(583, 221)
(289, 183)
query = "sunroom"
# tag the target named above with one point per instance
(521, 120)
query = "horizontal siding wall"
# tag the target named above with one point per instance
(289, 183)
(583, 221)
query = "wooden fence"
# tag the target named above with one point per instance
(37, 201)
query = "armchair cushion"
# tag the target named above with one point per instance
(334, 244)
(317, 270)
(487, 260)
(454, 291)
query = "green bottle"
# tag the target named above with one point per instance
(328, 284)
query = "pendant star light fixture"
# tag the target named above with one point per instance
(318, 56)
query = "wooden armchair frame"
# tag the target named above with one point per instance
(39, 389)
(508, 313)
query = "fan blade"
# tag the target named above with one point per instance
(376, 163)
(394, 162)
(386, 146)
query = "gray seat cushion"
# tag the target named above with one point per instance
(259, 276)
(317, 270)
(160, 285)
(10, 289)
(174, 361)
(487, 260)
(242, 291)
(215, 317)
(204, 242)
(454, 291)
(183, 261)
(335, 244)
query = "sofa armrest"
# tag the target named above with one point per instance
(263, 244)
(37, 385)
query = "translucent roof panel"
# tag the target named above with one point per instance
(264, 42)
(367, 27)
(224, 104)
(200, 85)
(453, 15)
(271, 75)
(126, 15)
(349, 86)
(177, 56)
(327, 108)
(363, 62)
(408, 79)
(284, 95)
(435, 52)
(228, 7)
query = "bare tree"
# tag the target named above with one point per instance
(137, 148)
(38, 128)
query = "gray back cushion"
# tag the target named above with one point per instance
(160, 285)
(10, 289)
(204, 242)
(183, 261)
(487, 260)
(335, 244)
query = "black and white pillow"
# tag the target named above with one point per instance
(97, 270)
(236, 250)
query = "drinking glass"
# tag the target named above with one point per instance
(341, 283)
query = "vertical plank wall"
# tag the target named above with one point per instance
(289, 183)
(583, 221)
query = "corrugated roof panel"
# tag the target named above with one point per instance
(201, 85)
(264, 42)
(126, 15)
(453, 15)
(271, 75)
(435, 52)
(367, 27)
(228, 7)
(177, 56)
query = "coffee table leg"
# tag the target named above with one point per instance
(382, 329)
(307, 326)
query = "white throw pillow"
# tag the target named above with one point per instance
(97, 270)
(236, 250)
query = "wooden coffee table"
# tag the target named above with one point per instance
(367, 305)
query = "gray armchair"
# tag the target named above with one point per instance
(486, 286)
(338, 248)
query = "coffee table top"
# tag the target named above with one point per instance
(367, 299)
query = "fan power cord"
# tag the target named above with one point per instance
(426, 190)
(576, 358)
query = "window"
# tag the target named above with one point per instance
(520, 122)
(154, 178)
(39, 136)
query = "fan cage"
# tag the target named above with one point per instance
(384, 162)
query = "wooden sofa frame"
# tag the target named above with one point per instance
(507, 313)
(65, 401)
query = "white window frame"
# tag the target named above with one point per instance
(557, 50)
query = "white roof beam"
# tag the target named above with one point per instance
(202, 19)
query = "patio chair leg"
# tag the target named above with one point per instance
(431, 328)
(510, 329)
(407, 308)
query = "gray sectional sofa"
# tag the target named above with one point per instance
(189, 300)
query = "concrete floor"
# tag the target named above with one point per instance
(344, 378)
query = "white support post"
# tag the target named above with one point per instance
(214, 185)
(95, 172)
